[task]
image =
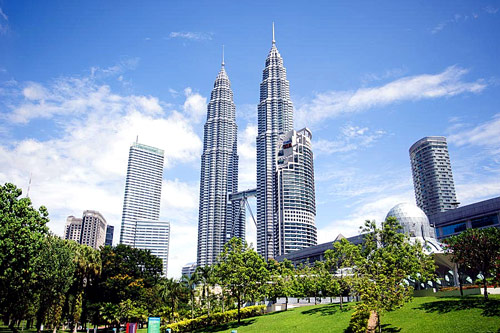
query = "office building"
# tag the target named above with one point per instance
(219, 220)
(483, 214)
(432, 176)
(142, 189)
(110, 230)
(155, 237)
(73, 228)
(296, 227)
(275, 118)
(188, 269)
(93, 229)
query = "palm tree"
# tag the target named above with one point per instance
(190, 282)
(206, 277)
(88, 267)
(171, 292)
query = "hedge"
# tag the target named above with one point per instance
(214, 319)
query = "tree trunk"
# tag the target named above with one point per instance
(239, 305)
(341, 301)
(460, 284)
(12, 326)
(373, 323)
(485, 288)
(286, 303)
(192, 306)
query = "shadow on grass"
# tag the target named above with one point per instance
(490, 308)
(326, 310)
(390, 329)
(227, 326)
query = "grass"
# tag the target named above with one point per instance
(423, 314)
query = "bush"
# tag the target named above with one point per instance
(217, 318)
(359, 319)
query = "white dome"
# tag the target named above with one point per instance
(413, 220)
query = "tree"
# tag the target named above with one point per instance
(382, 264)
(477, 249)
(171, 292)
(190, 282)
(55, 273)
(241, 271)
(88, 267)
(22, 230)
(283, 276)
(126, 273)
(206, 276)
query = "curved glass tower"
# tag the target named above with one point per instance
(275, 117)
(296, 227)
(432, 176)
(219, 220)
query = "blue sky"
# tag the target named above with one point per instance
(79, 82)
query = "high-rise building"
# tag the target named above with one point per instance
(153, 236)
(142, 189)
(93, 229)
(189, 269)
(432, 176)
(219, 220)
(73, 228)
(275, 118)
(296, 211)
(110, 230)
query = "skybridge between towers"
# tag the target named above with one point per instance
(242, 198)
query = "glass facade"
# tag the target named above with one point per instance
(219, 218)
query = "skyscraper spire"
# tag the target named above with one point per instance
(275, 117)
(274, 41)
(219, 220)
(223, 55)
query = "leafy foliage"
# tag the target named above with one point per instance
(242, 271)
(22, 231)
(479, 250)
(217, 318)
(381, 265)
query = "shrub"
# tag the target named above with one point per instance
(359, 319)
(217, 318)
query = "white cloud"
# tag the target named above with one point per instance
(411, 88)
(4, 27)
(350, 139)
(191, 35)
(375, 208)
(491, 10)
(195, 105)
(247, 157)
(83, 163)
(485, 134)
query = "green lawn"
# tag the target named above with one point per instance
(423, 314)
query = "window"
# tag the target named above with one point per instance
(484, 221)
(454, 228)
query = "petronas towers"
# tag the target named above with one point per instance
(285, 176)
(219, 220)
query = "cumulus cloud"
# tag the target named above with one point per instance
(82, 164)
(247, 157)
(374, 208)
(191, 35)
(195, 105)
(412, 88)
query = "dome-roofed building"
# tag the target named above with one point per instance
(413, 220)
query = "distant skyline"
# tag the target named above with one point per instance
(79, 82)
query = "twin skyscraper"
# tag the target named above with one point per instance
(285, 173)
